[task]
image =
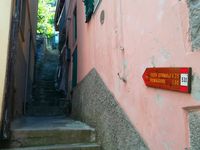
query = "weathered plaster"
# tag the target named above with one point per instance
(160, 58)
(161, 9)
(165, 54)
(159, 100)
(194, 6)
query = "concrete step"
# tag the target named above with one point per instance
(48, 101)
(47, 77)
(44, 131)
(51, 101)
(47, 97)
(45, 86)
(42, 91)
(46, 110)
(80, 146)
(45, 81)
(48, 87)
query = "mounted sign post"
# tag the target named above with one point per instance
(175, 79)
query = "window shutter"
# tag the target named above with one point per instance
(89, 8)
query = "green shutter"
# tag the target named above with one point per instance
(89, 8)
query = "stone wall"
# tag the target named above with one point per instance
(196, 87)
(194, 7)
(94, 104)
(194, 124)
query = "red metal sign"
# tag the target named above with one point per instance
(176, 79)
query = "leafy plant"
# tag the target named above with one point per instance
(46, 10)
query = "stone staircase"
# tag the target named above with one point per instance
(45, 125)
(46, 100)
(51, 133)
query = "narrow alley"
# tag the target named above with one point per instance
(99, 75)
(45, 97)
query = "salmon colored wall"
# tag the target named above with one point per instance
(153, 34)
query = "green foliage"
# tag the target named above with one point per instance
(46, 18)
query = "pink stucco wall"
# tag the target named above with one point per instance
(153, 34)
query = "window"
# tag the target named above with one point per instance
(90, 8)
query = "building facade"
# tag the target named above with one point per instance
(19, 22)
(107, 45)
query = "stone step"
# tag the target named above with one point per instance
(45, 81)
(45, 84)
(53, 86)
(80, 146)
(44, 131)
(47, 92)
(47, 95)
(42, 85)
(47, 78)
(49, 99)
(43, 101)
(42, 91)
(46, 110)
